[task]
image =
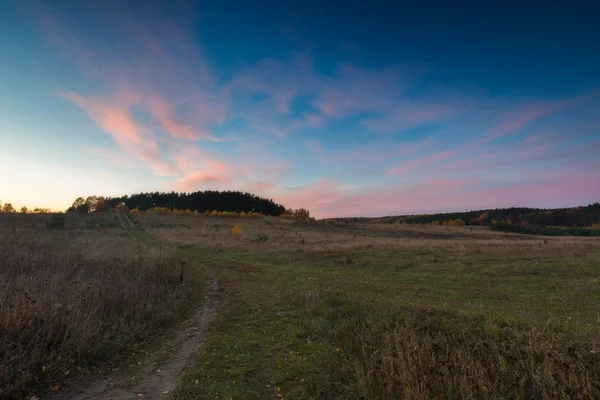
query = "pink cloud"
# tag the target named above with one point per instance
(532, 113)
(164, 115)
(261, 187)
(555, 191)
(326, 108)
(410, 114)
(215, 173)
(441, 195)
(313, 121)
(115, 119)
(428, 161)
(196, 179)
(515, 124)
(327, 198)
(320, 195)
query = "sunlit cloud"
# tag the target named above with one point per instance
(352, 139)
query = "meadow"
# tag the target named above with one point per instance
(325, 310)
(74, 299)
(340, 310)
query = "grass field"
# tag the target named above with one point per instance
(330, 311)
(385, 312)
(73, 299)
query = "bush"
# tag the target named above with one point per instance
(160, 210)
(237, 231)
(260, 238)
(454, 222)
(56, 221)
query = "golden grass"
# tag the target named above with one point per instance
(292, 236)
(423, 355)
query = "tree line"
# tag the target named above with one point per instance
(9, 208)
(583, 216)
(200, 201)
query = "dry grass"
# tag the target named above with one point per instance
(421, 355)
(68, 300)
(286, 236)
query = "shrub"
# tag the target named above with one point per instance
(56, 221)
(252, 214)
(302, 214)
(160, 210)
(260, 238)
(237, 231)
(453, 222)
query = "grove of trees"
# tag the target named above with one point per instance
(200, 201)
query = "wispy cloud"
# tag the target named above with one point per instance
(353, 140)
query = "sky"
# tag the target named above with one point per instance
(370, 110)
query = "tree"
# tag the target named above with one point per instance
(80, 201)
(80, 206)
(24, 210)
(56, 221)
(97, 204)
(483, 218)
(8, 208)
(103, 205)
(91, 203)
(301, 214)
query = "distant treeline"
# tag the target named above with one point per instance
(584, 216)
(196, 201)
(545, 230)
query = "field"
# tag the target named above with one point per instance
(320, 310)
(73, 299)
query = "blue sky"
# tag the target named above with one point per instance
(369, 110)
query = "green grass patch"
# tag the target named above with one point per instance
(440, 322)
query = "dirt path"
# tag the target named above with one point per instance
(155, 377)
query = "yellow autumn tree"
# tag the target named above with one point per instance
(237, 231)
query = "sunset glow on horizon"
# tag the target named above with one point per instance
(342, 112)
